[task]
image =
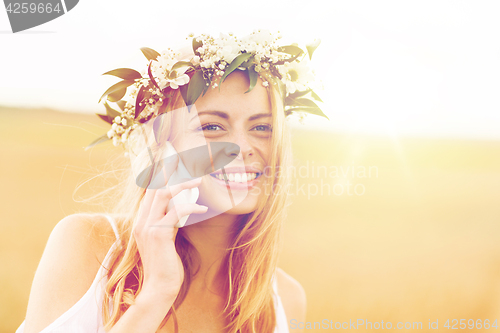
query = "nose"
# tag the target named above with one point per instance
(245, 148)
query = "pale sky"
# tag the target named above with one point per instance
(388, 67)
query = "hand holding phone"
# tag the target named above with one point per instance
(189, 195)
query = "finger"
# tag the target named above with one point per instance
(176, 189)
(178, 211)
(146, 202)
(164, 195)
(168, 166)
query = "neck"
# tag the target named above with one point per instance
(211, 238)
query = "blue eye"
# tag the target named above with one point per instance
(210, 127)
(263, 128)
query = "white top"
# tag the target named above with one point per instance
(85, 316)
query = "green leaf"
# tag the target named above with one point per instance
(312, 47)
(150, 54)
(125, 73)
(287, 60)
(121, 104)
(252, 77)
(298, 94)
(235, 64)
(291, 49)
(196, 45)
(105, 118)
(117, 95)
(195, 87)
(315, 96)
(302, 102)
(112, 113)
(140, 97)
(248, 62)
(180, 64)
(151, 78)
(183, 89)
(315, 111)
(116, 87)
(102, 138)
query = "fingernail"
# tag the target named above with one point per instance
(204, 208)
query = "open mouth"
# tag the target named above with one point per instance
(237, 177)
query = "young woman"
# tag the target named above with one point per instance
(218, 273)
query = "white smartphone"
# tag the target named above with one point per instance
(189, 195)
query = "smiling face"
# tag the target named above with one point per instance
(231, 115)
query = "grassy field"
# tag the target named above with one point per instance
(386, 229)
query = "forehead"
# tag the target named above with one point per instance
(232, 99)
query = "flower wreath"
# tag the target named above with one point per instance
(209, 64)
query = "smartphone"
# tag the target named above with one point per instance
(189, 195)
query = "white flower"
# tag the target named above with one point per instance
(230, 50)
(174, 79)
(124, 122)
(250, 47)
(261, 37)
(297, 76)
(265, 84)
(119, 130)
(179, 81)
(118, 119)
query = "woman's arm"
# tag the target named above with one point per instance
(67, 269)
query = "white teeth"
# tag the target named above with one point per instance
(237, 177)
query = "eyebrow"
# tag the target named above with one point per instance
(226, 116)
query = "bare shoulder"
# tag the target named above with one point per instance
(293, 296)
(75, 249)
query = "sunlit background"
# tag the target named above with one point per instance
(412, 93)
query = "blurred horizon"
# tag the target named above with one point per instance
(314, 123)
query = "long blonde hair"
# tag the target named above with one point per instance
(250, 261)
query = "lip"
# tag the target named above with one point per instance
(235, 185)
(240, 169)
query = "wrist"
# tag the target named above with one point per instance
(150, 295)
